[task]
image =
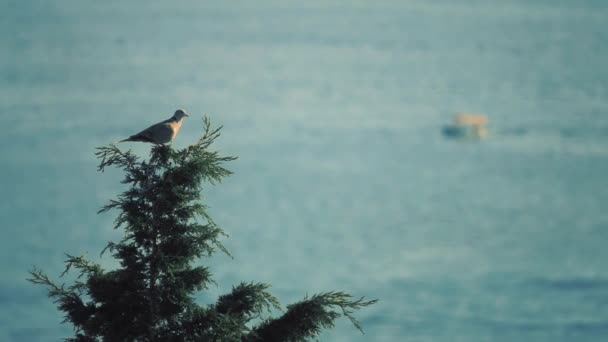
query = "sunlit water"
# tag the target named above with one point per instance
(343, 181)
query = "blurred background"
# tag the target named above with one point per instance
(344, 179)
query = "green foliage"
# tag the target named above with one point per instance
(305, 319)
(151, 296)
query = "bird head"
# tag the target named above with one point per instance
(179, 114)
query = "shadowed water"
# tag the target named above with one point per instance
(344, 181)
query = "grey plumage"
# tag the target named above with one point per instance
(162, 132)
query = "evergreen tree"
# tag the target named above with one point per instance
(150, 297)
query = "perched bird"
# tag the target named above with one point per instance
(162, 132)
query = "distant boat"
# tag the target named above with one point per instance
(467, 125)
(455, 131)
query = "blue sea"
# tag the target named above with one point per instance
(344, 180)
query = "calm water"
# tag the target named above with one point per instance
(343, 180)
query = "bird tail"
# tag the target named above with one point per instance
(139, 137)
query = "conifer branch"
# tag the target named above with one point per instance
(111, 155)
(306, 319)
(86, 267)
(249, 300)
(39, 277)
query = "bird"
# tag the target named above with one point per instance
(162, 132)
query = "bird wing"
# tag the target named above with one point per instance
(159, 133)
